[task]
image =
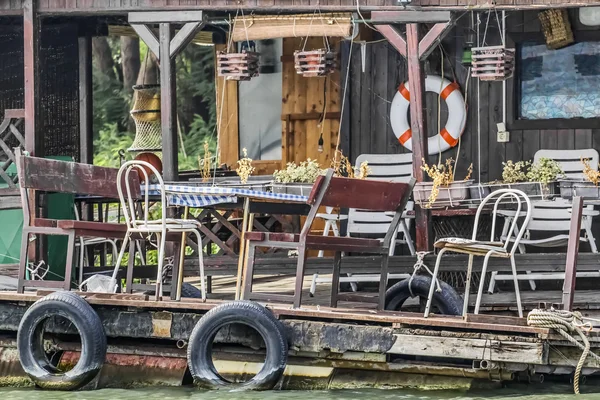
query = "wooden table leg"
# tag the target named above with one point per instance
(241, 259)
(182, 257)
(245, 259)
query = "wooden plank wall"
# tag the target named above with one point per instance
(302, 97)
(372, 91)
(227, 118)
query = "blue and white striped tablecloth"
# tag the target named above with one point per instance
(202, 196)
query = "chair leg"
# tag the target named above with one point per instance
(481, 282)
(130, 267)
(587, 223)
(161, 239)
(23, 261)
(325, 233)
(313, 285)
(383, 279)
(300, 275)
(433, 282)
(203, 285)
(251, 254)
(393, 243)
(69, 263)
(81, 259)
(516, 281)
(468, 286)
(492, 285)
(408, 238)
(335, 278)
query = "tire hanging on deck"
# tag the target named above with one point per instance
(30, 342)
(447, 301)
(199, 354)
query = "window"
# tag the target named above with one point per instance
(559, 84)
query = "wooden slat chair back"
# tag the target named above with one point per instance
(52, 176)
(570, 160)
(339, 193)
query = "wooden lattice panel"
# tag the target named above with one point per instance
(315, 62)
(237, 66)
(9, 134)
(493, 63)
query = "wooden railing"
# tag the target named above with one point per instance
(10, 137)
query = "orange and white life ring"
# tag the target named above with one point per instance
(457, 114)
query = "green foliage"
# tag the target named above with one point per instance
(196, 98)
(545, 170)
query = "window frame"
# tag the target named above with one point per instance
(513, 88)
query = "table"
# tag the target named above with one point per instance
(203, 196)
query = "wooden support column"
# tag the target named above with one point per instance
(166, 47)
(31, 60)
(86, 112)
(168, 104)
(418, 126)
(572, 253)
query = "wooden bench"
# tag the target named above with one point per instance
(52, 176)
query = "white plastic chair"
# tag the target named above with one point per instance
(570, 160)
(489, 249)
(159, 227)
(552, 217)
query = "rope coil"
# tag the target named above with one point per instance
(565, 323)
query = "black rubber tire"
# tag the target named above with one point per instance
(448, 301)
(199, 353)
(187, 290)
(31, 347)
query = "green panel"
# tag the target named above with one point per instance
(10, 236)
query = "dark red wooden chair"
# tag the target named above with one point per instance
(339, 193)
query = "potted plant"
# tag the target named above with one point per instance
(534, 179)
(297, 178)
(587, 188)
(443, 190)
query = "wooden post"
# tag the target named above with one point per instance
(168, 104)
(31, 60)
(86, 112)
(572, 253)
(418, 125)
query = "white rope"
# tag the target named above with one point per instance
(417, 267)
(565, 323)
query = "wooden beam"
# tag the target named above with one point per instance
(31, 60)
(395, 38)
(160, 17)
(168, 104)
(409, 17)
(416, 87)
(148, 37)
(433, 37)
(572, 253)
(86, 111)
(184, 36)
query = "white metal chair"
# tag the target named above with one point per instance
(159, 227)
(473, 247)
(570, 160)
(384, 167)
(552, 217)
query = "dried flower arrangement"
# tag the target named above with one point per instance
(591, 174)
(441, 175)
(305, 172)
(343, 167)
(204, 163)
(245, 168)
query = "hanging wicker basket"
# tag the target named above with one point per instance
(146, 115)
(237, 66)
(493, 63)
(557, 28)
(315, 62)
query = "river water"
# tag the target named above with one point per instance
(522, 392)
